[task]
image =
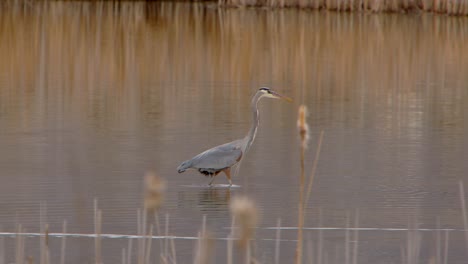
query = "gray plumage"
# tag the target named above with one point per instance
(223, 157)
(215, 159)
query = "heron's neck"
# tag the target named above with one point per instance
(255, 121)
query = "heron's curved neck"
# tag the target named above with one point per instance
(255, 121)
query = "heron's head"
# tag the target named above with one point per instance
(185, 165)
(269, 93)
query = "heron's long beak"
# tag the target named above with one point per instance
(280, 96)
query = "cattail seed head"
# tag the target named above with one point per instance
(303, 126)
(155, 187)
(245, 213)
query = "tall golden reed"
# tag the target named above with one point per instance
(304, 136)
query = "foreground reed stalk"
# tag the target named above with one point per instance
(97, 232)
(154, 191)
(304, 134)
(2, 249)
(19, 254)
(303, 128)
(63, 245)
(245, 213)
(464, 213)
(277, 242)
(44, 239)
(204, 246)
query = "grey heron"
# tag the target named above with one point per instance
(221, 158)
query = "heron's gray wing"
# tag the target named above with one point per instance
(219, 157)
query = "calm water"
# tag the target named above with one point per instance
(94, 95)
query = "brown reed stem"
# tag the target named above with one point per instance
(356, 236)
(277, 242)
(438, 257)
(166, 238)
(63, 246)
(2, 249)
(46, 245)
(204, 245)
(320, 239)
(158, 232)
(300, 224)
(314, 168)
(347, 240)
(19, 254)
(129, 250)
(465, 216)
(173, 250)
(141, 230)
(148, 245)
(97, 232)
(42, 213)
(304, 134)
(446, 247)
(230, 242)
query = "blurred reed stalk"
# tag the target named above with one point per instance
(356, 236)
(277, 242)
(245, 213)
(44, 239)
(63, 245)
(169, 245)
(204, 247)
(154, 189)
(97, 232)
(2, 249)
(230, 243)
(446, 245)
(464, 214)
(19, 253)
(129, 250)
(413, 243)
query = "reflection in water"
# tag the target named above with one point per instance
(206, 199)
(93, 94)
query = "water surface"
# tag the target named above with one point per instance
(93, 95)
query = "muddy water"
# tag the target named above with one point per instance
(94, 95)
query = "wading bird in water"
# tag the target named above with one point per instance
(221, 158)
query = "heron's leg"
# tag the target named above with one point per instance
(228, 175)
(212, 180)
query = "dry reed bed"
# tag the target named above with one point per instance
(450, 7)
(322, 53)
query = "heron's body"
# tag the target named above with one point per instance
(221, 158)
(217, 159)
